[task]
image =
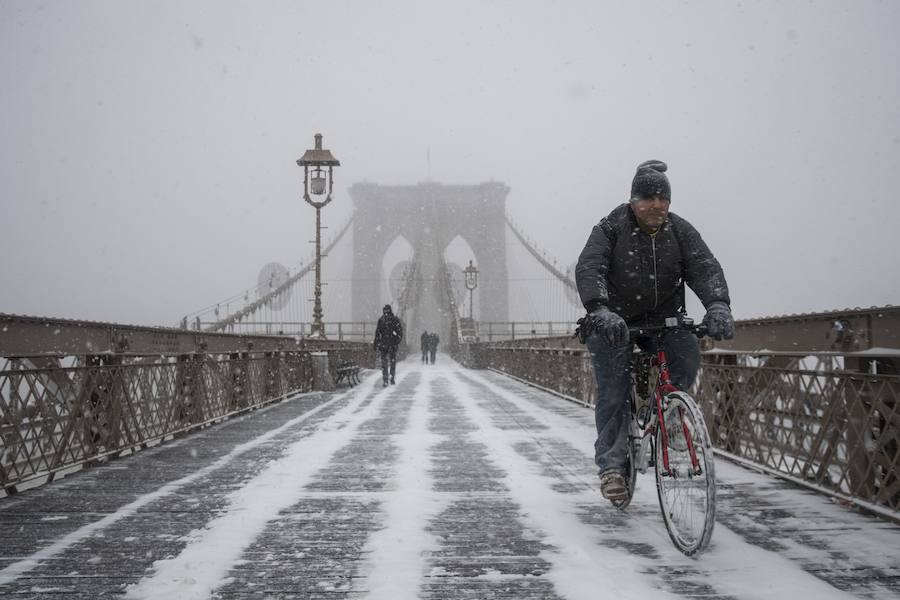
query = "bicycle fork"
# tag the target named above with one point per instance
(689, 441)
(665, 387)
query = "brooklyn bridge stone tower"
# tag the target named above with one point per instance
(429, 216)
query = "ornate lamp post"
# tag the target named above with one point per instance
(471, 283)
(317, 159)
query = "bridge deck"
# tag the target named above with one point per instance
(451, 484)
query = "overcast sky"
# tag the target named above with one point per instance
(147, 149)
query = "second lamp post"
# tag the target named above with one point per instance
(471, 283)
(317, 185)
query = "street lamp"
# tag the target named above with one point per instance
(317, 185)
(471, 283)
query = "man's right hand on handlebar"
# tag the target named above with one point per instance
(719, 322)
(609, 324)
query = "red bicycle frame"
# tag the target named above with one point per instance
(663, 387)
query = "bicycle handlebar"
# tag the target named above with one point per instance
(699, 330)
(585, 328)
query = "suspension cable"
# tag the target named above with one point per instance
(539, 256)
(264, 300)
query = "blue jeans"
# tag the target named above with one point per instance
(612, 367)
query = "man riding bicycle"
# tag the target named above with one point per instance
(632, 273)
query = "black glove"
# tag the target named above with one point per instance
(583, 330)
(607, 323)
(719, 322)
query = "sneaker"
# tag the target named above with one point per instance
(392, 381)
(612, 486)
(384, 383)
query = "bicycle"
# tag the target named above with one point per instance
(680, 452)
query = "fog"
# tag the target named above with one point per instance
(147, 156)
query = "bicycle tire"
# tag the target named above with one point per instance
(687, 498)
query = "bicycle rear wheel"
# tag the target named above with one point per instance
(687, 491)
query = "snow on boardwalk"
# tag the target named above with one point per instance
(451, 484)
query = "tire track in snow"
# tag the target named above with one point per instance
(580, 565)
(485, 550)
(724, 565)
(398, 551)
(19, 568)
(211, 552)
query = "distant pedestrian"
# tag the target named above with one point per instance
(432, 346)
(388, 334)
(424, 342)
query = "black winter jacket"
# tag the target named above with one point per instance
(388, 332)
(641, 277)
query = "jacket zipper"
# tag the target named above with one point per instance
(655, 278)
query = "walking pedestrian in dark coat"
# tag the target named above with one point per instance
(424, 342)
(388, 335)
(432, 345)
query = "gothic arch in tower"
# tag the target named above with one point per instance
(429, 216)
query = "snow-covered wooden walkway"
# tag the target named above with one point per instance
(451, 484)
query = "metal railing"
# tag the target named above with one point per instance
(836, 430)
(491, 331)
(337, 330)
(805, 417)
(62, 408)
(57, 418)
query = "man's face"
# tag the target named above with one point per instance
(651, 212)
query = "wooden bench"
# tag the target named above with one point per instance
(347, 371)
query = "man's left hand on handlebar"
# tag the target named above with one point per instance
(718, 321)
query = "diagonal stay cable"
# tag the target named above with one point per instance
(568, 281)
(263, 300)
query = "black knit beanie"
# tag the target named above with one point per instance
(650, 180)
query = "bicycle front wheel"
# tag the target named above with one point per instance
(685, 474)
